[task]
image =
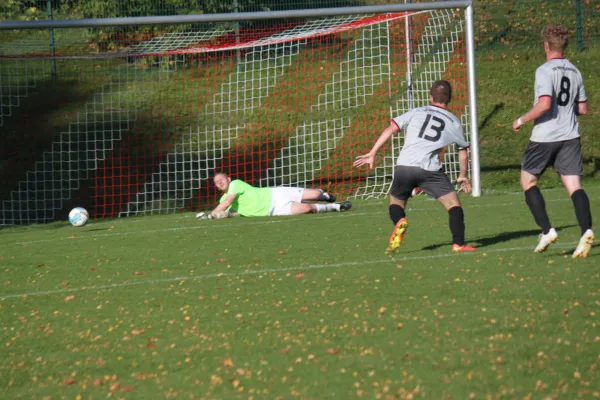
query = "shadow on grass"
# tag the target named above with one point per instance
(491, 114)
(495, 239)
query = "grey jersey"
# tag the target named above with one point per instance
(428, 130)
(562, 81)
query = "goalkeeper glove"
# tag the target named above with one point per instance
(203, 215)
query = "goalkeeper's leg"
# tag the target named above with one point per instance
(305, 208)
(317, 195)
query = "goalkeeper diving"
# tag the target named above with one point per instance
(240, 198)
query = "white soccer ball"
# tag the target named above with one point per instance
(78, 216)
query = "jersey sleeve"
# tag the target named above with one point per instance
(543, 84)
(403, 120)
(460, 136)
(235, 187)
(581, 95)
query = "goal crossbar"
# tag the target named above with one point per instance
(231, 17)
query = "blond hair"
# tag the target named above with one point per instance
(557, 37)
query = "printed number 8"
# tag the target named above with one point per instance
(564, 95)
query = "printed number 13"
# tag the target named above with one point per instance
(436, 128)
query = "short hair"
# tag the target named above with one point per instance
(441, 92)
(221, 173)
(557, 37)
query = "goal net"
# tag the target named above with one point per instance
(130, 121)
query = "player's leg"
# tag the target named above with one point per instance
(398, 217)
(402, 186)
(536, 159)
(437, 185)
(317, 195)
(570, 167)
(301, 208)
(305, 208)
(581, 203)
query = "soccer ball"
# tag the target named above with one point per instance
(78, 216)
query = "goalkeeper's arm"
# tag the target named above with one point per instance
(224, 205)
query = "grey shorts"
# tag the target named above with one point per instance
(435, 183)
(564, 156)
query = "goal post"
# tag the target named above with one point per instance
(132, 116)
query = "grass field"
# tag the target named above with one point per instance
(301, 307)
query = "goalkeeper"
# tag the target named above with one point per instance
(249, 201)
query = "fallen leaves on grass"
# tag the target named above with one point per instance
(70, 297)
(227, 362)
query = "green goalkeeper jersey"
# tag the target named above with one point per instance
(250, 201)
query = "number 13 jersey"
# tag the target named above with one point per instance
(563, 83)
(428, 130)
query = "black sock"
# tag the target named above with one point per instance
(582, 210)
(396, 213)
(537, 206)
(457, 225)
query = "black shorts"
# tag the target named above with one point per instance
(564, 156)
(435, 183)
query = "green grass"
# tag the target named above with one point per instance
(301, 307)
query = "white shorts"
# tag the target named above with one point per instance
(283, 197)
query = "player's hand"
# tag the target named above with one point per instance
(367, 159)
(204, 215)
(516, 125)
(465, 184)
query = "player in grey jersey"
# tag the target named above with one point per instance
(428, 130)
(559, 98)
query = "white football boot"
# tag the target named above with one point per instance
(585, 245)
(546, 240)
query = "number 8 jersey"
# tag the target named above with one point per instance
(428, 130)
(562, 81)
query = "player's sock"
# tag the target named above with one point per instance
(326, 197)
(396, 213)
(581, 202)
(457, 225)
(537, 205)
(323, 208)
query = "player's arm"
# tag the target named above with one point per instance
(543, 88)
(540, 108)
(463, 162)
(581, 108)
(369, 158)
(225, 204)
